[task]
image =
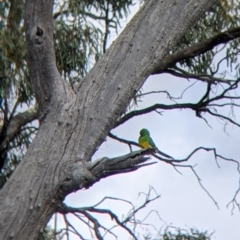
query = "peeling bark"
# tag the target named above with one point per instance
(75, 123)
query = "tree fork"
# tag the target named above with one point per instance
(75, 123)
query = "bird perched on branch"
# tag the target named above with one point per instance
(145, 141)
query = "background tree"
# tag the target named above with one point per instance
(196, 61)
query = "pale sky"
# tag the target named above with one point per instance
(183, 202)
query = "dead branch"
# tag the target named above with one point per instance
(106, 167)
(177, 72)
(88, 211)
(200, 107)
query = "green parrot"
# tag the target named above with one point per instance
(145, 141)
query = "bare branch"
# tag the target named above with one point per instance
(234, 202)
(106, 167)
(80, 11)
(113, 198)
(67, 226)
(134, 211)
(107, 22)
(216, 155)
(129, 143)
(201, 77)
(55, 226)
(64, 209)
(222, 117)
(75, 231)
(19, 121)
(14, 110)
(199, 107)
(154, 107)
(142, 222)
(157, 92)
(199, 181)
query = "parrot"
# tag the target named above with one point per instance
(145, 141)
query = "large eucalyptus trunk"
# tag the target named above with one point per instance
(75, 122)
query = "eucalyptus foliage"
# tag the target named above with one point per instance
(173, 233)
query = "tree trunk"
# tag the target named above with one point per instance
(75, 123)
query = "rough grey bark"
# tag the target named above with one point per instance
(75, 123)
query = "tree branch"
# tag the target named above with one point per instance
(197, 49)
(152, 108)
(200, 107)
(216, 155)
(15, 14)
(199, 182)
(78, 178)
(128, 163)
(176, 164)
(130, 143)
(17, 122)
(201, 77)
(130, 218)
(80, 11)
(48, 85)
(234, 202)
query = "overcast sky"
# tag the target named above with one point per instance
(183, 202)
